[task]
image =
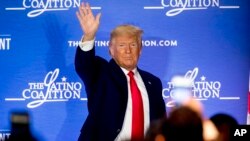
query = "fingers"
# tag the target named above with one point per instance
(85, 11)
(89, 23)
(88, 9)
(82, 11)
(84, 8)
(79, 14)
(98, 16)
(79, 17)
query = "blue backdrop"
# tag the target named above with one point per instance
(207, 40)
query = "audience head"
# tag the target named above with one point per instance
(210, 133)
(182, 124)
(225, 125)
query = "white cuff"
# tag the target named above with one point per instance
(87, 45)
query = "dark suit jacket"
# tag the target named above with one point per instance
(107, 92)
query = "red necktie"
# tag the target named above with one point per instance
(137, 110)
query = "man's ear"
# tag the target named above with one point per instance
(111, 51)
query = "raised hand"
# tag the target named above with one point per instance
(89, 23)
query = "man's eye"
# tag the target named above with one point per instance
(134, 45)
(121, 45)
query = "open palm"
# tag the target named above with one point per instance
(89, 23)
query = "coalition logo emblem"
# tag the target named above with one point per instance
(50, 90)
(37, 7)
(199, 89)
(175, 7)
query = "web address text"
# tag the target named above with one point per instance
(145, 43)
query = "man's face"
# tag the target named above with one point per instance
(125, 50)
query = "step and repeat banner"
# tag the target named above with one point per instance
(205, 40)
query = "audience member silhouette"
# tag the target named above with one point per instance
(225, 125)
(20, 127)
(182, 124)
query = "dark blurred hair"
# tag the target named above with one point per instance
(183, 124)
(225, 125)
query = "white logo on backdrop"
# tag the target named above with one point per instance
(37, 7)
(5, 40)
(201, 89)
(175, 7)
(4, 134)
(50, 90)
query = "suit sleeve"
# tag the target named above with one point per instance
(88, 67)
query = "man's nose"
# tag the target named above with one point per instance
(128, 49)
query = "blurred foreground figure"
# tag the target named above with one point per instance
(183, 124)
(185, 121)
(210, 132)
(20, 127)
(225, 124)
(184, 97)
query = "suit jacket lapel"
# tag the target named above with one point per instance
(150, 90)
(119, 78)
(147, 81)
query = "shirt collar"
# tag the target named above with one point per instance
(135, 71)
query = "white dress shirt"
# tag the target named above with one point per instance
(126, 130)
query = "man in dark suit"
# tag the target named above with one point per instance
(113, 86)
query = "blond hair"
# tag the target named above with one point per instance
(128, 30)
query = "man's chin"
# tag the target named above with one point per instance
(128, 66)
